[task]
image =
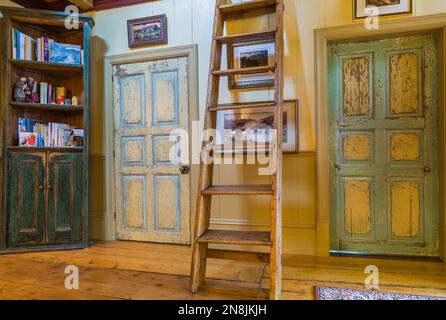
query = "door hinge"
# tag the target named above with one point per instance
(114, 153)
(114, 215)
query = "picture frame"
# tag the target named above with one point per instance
(254, 54)
(262, 117)
(386, 8)
(147, 31)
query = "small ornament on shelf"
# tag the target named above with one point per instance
(74, 101)
(19, 90)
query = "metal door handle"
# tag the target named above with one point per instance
(185, 169)
(338, 167)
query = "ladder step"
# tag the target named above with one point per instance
(245, 105)
(248, 37)
(257, 7)
(239, 190)
(254, 238)
(235, 72)
(265, 149)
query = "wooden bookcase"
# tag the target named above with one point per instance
(44, 198)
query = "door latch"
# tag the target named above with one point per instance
(185, 169)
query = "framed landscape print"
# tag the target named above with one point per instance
(147, 31)
(385, 7)
(247, 125)
(242, 56)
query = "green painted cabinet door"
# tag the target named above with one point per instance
(384, 151)
(64, 198)
(26, 199)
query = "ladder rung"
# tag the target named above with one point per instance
(238, 255)
(243, 149)
(253, 238)
(263, 189)
(234, 72)
(248, 37)
(243, 105)
(238, 8)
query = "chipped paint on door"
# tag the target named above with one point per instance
(404, 83)
(383, 146)
(152, 196)
(405, 209)
(356, 147)
(357, 209)
(356, 86)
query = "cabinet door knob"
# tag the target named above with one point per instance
(427, 170)
(40, 187)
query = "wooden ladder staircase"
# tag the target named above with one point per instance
(206, 190)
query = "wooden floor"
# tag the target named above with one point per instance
(125, 270)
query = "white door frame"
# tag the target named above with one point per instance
(354, 32)
(191, 52)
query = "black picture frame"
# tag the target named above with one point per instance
(160, 38)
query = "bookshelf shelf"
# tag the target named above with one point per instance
(47, 107)
(64, 70)
(43, 188)
(46, 149)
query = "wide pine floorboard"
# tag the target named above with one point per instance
(129, 270)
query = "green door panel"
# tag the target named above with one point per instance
(384, 189)
(26, 199)
(64, 198)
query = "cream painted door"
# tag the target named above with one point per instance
(384, 146)
(152, 195)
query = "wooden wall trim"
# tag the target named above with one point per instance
(354, 32)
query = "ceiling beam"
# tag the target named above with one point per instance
(83, 4)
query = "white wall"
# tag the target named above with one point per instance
(190, 22)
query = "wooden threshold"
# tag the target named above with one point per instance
(239, 190)
(253, 238)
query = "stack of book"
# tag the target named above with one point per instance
(44, 49)
(50, 94)
(23, 46)
(37, 133)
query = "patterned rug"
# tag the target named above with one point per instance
(327, 293)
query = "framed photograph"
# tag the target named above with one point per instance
(385, 7)
(147, 31)
(242, 56)
(244, 126)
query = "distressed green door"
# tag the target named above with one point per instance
(384, 154)
(64, 197)
(26, 202)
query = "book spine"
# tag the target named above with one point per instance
(14, 44)
(46, 49)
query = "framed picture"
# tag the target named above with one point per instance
(244, 126)
(385, 7)
(147, 31)
(251, 55)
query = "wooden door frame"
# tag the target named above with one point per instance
(191, 52)
(354, 32)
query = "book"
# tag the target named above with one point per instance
(60, 95)
(65, 53)
(37, 133)
(14, 43)
(27, 139)
(44, 92)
